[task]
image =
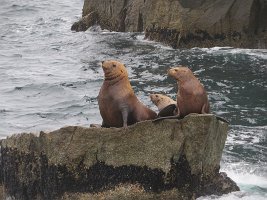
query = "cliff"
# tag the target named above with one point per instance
(183, 23)
(169, 159)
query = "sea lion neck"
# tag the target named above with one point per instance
(181, 81)
(112, 80)
(185, 78)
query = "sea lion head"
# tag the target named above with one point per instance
(155, 98)
(180, 73)
(113, 69)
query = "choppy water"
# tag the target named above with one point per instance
(50, 78)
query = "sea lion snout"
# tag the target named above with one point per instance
(168, 71)
(171, 71)
(153, 97)
(105, 66)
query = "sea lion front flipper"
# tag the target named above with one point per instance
(124, 113)
(168, 117)
(104, 125)
(95, 126)
(204, 109)
(167, 111)
(222, 119)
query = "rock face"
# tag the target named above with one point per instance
(183, 23)
(169, 159)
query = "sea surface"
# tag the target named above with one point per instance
(50, 77)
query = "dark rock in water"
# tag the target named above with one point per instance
(85, 23)
(170, 159)
(185, 23)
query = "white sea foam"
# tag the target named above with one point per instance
(252, 186)
(261, 53)
(236, 196)
(246, 180)
(141, 38)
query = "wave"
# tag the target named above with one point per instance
(251, 178)
(242, 195)
(261, 53)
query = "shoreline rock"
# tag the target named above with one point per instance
(169, 158)
(183, 23)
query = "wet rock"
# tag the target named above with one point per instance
(186, 23)
(168, 159)
(86, 22)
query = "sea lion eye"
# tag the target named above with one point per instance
(156, 95)
(114, 65)
(176, 70)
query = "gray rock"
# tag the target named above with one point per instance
(164, 160)
(186, 23)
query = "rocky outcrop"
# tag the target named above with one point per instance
(168, 159)
(183, 23)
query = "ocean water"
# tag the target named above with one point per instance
(50, 77)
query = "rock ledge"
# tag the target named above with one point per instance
(169, 159)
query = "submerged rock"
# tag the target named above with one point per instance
(169, 159)
(184, 23)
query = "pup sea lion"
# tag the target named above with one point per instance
(161, 101)
(117, 102)
(191, 95)
(165, 104)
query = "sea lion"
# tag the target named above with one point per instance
(118, 105)
(165, 104)
(161, 101)
(191, 95)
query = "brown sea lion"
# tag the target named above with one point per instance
(165, 104)
(191, 95)
(117, 102)
(161, 101)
